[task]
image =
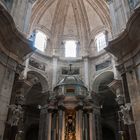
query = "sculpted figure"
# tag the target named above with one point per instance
(125, 110)
(17, 114)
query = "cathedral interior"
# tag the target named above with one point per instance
(69, 69)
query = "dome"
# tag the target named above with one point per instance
(71, 85)
(70, 20)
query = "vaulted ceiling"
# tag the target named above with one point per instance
(74, 19)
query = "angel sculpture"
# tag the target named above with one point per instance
(17, 114)
(125, 110)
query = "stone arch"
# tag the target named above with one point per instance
(105, 76)
(97, 31)
(32, 132)
(43, 29)
(42, 79)
(108, 132)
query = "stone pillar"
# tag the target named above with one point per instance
(86, 130)
(124, 5)
(113, 17)
(92, 126)
(63, 128)
(24, 75)
(129, 128)
(7, 75)
(79, 124)
(86, 72)
(49, 125)
(54, 124)
(54, 79)
(42, 122)
(97, 124)
(28, 15)
(134, 91)
(60, 124)
(45, 124)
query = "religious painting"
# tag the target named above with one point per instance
(70, 125)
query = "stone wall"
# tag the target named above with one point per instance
(120, 12)
(7, 70)
(84, 67)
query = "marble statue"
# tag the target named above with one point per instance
(125, 110)
(17, 114)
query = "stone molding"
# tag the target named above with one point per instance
(13, 43)
(122, 46)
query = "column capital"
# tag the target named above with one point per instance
(120, 68)
(51, 108)
(20, 68)
(88, 109)
(85, 57)
(61, 106)
(79, 106)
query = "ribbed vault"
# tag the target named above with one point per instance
(74, 19)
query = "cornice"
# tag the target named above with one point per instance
(128, 40)
(13, 43)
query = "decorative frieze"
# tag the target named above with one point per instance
(34, 63)
(124, 114)
(103, 65)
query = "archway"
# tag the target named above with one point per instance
(35, 77)
(108, 104)
(35, 97)
(104, 78)
(32, 132)
(107, 133)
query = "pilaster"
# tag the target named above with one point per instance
(86, 71)
(54, 79)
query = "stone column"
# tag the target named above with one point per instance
(79, 124)
(49, 125)
(97, 122)
(54, 123)
(86, 126)
(86, 71)
(63, 128)
(129, 128)
(42, 123)
(54, 80)
(24, 75)
(60, 124)
(7, 75)
(45, 124)
(92, 126)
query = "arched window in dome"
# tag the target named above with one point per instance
(100, 40)
(70, 48)
(40, 41)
